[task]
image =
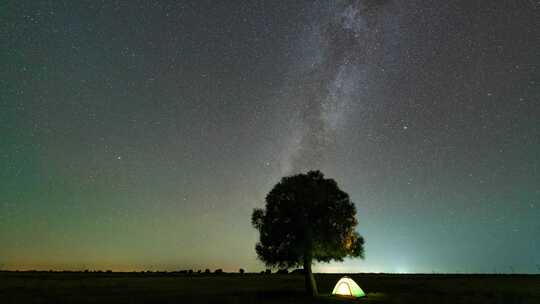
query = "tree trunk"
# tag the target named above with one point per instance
(311, 285)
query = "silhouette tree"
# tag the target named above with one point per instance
(241, 271)
(306, 218)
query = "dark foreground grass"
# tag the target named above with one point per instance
(43, 287)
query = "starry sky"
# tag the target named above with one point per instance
(140, 135)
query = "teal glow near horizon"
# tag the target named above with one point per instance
(141, 135)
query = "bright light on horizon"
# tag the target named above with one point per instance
(402, 269)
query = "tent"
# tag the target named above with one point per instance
(347, 287)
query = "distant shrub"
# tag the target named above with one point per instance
(241, 271)
(298, 271)
(207, 271)
(218, 271)
(268, 271)
(199, 271)
(190, 272)
(108, 271)
(282, 271)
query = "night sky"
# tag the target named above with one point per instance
(140, 135)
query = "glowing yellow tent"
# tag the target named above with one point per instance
(347, 287)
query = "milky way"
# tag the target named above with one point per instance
(349, 39)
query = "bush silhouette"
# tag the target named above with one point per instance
(298, 271)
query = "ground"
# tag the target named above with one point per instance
(45, 287)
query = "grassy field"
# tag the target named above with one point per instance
(43, 287)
